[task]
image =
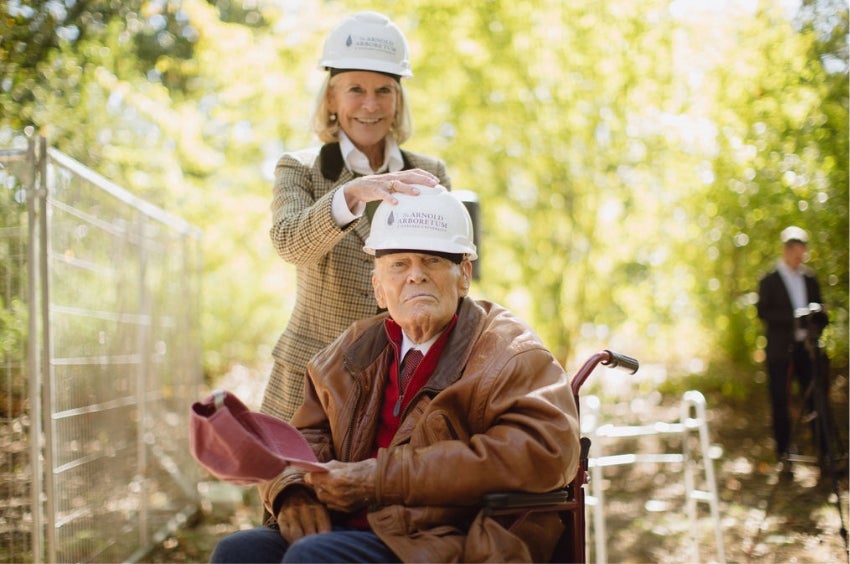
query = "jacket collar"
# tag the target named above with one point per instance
(331, 162)
(369, 346)
(458, 347)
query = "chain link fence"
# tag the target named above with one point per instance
(99, 363)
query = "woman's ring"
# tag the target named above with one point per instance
(392, 187)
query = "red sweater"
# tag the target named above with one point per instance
(389, 423)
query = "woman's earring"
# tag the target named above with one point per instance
(332, 117)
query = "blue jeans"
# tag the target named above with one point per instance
(264, 544)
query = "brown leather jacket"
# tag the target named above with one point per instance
(496, 415)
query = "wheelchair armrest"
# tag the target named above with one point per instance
(566, 497)
(517, 500)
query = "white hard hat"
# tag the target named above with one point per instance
(435, 220)
(794, 233)
(367, 41)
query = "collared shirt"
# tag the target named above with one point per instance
(358, 163)
(795, 285)
(407, 344)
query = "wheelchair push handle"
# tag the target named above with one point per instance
(621, 361)
(606, 358)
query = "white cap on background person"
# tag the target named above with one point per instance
(794, 233)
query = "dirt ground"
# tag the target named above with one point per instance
(763, 517)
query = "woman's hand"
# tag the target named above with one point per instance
(382, 186)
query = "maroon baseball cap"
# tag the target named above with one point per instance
(244, 447)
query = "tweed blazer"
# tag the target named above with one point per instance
(333, 274)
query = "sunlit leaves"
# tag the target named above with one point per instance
(634, 160)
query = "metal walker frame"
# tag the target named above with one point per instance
(692, 420)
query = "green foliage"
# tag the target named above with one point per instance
(723, 378)
(779, 162)
(634, 163)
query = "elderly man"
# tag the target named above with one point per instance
(419, 412)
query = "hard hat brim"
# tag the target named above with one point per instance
(368, 65)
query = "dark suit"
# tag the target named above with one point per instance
(334, 275)
(785, 355)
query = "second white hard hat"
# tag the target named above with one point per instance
(367, 41)
(435, 220)
(794, 233)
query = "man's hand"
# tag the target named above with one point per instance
(346, 486)
(301, 515)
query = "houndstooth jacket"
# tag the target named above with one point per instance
(333, 274)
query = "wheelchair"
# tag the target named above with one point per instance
(569, 501)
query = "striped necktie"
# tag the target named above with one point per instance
(411, 362)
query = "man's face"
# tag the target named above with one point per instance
(420, 290)
(794, 254)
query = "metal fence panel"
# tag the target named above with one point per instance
(118, 364)
(16, 447)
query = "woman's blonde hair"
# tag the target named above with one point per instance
(328, 129)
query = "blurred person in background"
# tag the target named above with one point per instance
(789, 296)
(324, 197)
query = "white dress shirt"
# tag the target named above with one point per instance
(407, 344)
(795, 284)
